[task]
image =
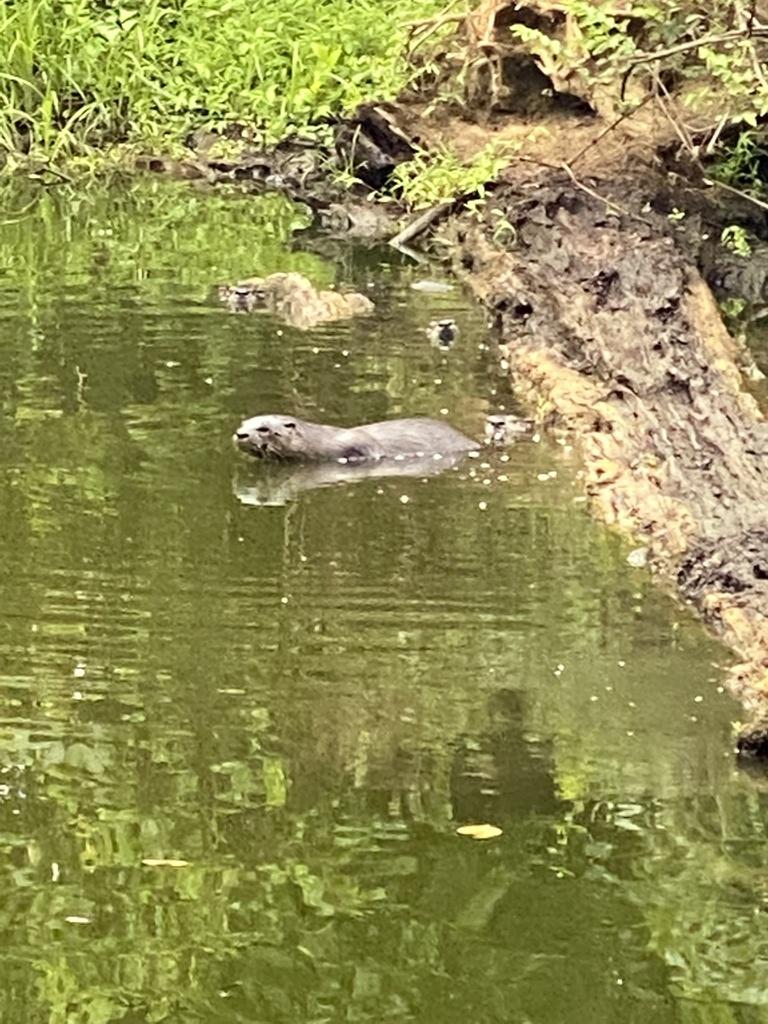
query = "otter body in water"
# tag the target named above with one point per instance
(285, 438)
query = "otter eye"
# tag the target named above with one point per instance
(291, 425)
(262, 430)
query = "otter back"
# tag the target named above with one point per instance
(404, 438)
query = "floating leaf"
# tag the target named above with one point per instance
(479, 831)
(162, 862)
(433, 287)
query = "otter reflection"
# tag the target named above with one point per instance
(277, 485)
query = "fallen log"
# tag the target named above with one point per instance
(611, 333)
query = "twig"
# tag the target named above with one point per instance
(747, 24)
(48, 169)
(602, 199)
(418, 36)
(426, 22)
(736, 192)
(713, 139)
(677, 126)
(605, 131)
(755, 31)
(419, 226)
(427, 26)
(539, 163)
(692, 44)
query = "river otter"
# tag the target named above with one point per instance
(501, 429)
(442, 333)
(295, 299)
(285, 438)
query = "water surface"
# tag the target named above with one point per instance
(238, 733)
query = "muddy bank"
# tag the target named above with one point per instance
(339, 182)
(612, 334)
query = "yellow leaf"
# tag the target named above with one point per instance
(161, 862)
(479, 831)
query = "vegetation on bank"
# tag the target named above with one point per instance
(81, 75)
(705, 65)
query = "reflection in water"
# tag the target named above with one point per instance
(235, 744)
(276, 485)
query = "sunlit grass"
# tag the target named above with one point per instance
(81, 74)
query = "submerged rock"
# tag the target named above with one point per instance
(294, 299)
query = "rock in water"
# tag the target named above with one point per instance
(443, 333)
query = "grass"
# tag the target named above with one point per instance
(78, 76)
(433, 177)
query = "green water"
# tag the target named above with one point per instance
(238, 733)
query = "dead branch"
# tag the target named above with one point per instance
(421, 223)
(606, 131)
(736, 192)
(747, 32)
(677, 126)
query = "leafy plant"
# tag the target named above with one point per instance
(733, 307)
(735, 238)
(82, 74)
(436, 176)
(739, 165)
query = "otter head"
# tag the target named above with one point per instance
(245, 296)
(270, 437)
